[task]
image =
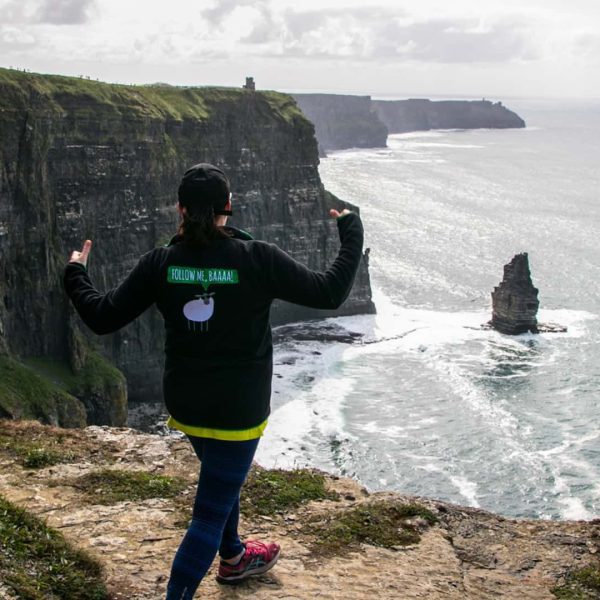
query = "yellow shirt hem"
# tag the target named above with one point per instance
(237, 435)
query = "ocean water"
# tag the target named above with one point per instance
(426, 402)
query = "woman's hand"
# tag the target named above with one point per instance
(82, 257)
(336, 214)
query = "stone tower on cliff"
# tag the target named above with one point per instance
(515, 300)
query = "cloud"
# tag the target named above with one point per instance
(15, 38)
(587, 46)
(53, 12)
(446, 41)
(265, 30)
(13, 11)
(223, 8)
(386, 34)
(65, 12)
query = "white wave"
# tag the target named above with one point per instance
(421, 161)
(393, 432)
(448, 145)
(574, 509)
(569, 443)
(429, 467)
(565, 462)
(573, 506)
(308, 407)
(350, 154)
(282, 443)
(574, 320)
(466, 488)
(332, 392)
(444, 327)
(416, 134)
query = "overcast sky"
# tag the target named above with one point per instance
(452, 48)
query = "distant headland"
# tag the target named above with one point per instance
(360, 122)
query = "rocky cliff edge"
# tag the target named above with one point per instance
(345, 544)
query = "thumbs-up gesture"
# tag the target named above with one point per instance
(81, 257)
(336, 214)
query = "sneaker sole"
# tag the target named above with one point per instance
(233, 580)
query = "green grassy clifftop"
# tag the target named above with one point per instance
(60, 94)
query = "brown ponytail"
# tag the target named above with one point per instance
(200, 229)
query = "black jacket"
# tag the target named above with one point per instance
(215, 302)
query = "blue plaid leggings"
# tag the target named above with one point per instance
(215, 517)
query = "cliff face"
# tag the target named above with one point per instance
(83, 159)
(401, 116)
(343, 121)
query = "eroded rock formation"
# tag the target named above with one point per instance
(81, 159)
(515, 300)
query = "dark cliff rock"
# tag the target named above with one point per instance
(343, 121)
(83, 159)
(401, 116)
(515, 300)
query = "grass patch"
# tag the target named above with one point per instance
(37, 563)
(35, 445)
(26, 395)
(37, 458)
(583, 584)
(99, 385)
(382, 524)
(270, 491)
(110, 486)
(284, 106)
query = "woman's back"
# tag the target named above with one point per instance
(214, 287)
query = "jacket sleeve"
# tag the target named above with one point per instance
(106, 313)
(290, 280)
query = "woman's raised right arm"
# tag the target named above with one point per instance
(106, 313)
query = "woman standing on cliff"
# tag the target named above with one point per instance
(214, 286)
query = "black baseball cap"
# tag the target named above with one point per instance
(203, 186)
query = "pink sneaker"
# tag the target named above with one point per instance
(258, 558)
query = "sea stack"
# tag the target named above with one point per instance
(515, 300)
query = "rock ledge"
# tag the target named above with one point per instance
(468, 554)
